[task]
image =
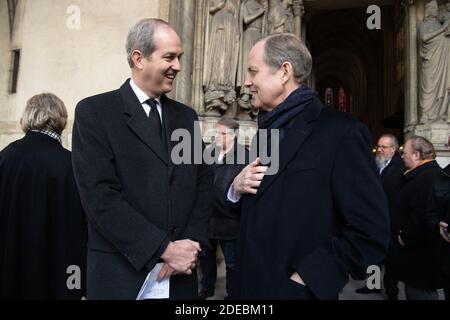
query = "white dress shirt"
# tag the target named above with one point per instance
(232, 196)
(385, 165)
(142, 96)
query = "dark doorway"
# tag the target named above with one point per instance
(365, 65)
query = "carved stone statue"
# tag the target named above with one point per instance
(446, 14)
(434, 96)
(222, 50)
(252, 21)
(281, 17)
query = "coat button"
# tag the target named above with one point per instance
(173, 229)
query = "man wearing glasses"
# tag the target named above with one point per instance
(391, 168)
(230, 158)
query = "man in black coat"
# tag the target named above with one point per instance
(391, 168)
(147, 211)
(438, 218)
(390, 165)
(415, 251)
(323, 214)
(230, 158)
(43, 234)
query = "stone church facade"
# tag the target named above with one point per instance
(368, 57)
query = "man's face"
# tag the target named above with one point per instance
(432, 10)
(265, 84)
(224, 137)
(410, 157)
(385, 148)
(161, 67)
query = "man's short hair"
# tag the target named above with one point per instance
(228, 122)
(287, 47)
(141, 37)
(44, 111)
(394, 140)
(424, 147)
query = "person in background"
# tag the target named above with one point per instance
(43, 233)
(391, 168)
(230, 158)
(438, 219)
(415, 250)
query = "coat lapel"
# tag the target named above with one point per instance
(296, 136)
(139, 122)
(172, 121)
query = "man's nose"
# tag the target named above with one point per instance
(247, 82)
(176, 65)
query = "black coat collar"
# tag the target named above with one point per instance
(424, 167)
(139, 123)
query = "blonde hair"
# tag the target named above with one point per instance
(44, 111)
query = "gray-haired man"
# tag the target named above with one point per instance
(323, 215)
(144, 212)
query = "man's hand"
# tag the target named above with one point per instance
(442, 230)
(249, 180)
(181, 256)
(166, 272)
(296, 277)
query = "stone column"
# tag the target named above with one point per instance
(411, 103)
(181, 17)
(198, 59)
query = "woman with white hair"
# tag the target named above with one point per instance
(42, 225)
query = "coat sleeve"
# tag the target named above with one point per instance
(197, 227)
(432, 216)
(414, 231)
(139, 241)
(361, 205)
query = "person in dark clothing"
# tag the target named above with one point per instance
(148, 207)
(43, 233)
(230, 158)
(438, 217)
(317, 212)
(391, 168)
(415, 254)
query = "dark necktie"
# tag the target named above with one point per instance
(155, 120)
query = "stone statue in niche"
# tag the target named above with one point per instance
(281, 16)
(434, 93)
(446, 14)
(253, 23)
(222, 55)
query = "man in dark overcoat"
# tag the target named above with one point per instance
(147, 199)
(321, 214)
(43, 233)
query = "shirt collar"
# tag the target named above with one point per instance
(141, 95)
(51, 134)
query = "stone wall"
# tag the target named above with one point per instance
(72, 63)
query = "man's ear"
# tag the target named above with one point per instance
(136, 57)
(287, 71)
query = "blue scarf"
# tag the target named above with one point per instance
(281, 117)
